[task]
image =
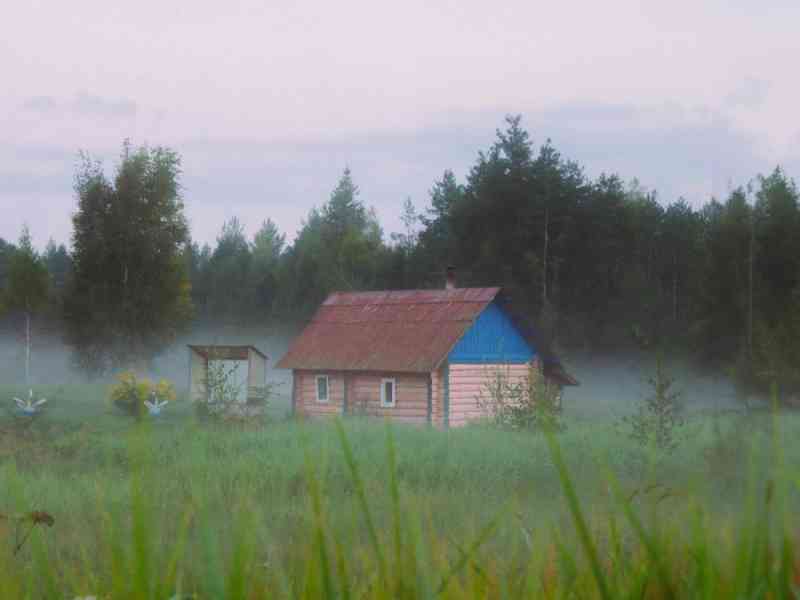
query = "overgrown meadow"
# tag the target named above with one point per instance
(178, 508)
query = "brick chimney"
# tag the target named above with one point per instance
(450, 278)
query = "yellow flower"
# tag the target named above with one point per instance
(165, 390)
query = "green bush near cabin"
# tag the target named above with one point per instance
(130, 393)
(303, 510)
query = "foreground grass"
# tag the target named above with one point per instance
(286, 509)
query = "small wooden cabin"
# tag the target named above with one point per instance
(246, 364)
(418, 356)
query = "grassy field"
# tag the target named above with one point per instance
(178, 508)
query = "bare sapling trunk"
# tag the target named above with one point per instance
(675, 290)
(751, 252)
(27, 348)
(544, 258)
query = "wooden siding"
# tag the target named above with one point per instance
(364, 395)
(492, 339)
(306, 394)
(256, 376)
(411, 396)
(257, 369)
(468, 384)
(437, 397)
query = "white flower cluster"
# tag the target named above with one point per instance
(31, 406)
(154, 406)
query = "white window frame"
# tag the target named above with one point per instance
(327, 398)
(393, 403)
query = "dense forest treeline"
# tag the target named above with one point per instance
(597, 263)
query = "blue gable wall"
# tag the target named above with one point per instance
(492, 339)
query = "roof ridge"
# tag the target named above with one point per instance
(458, 289)
(478, 295)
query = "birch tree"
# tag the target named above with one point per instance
(130, 293)
(27, 288)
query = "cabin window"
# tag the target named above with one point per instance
(388, 392)
(322, 389)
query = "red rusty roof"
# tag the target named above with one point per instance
(400, 331)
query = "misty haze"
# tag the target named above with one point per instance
(424, 300)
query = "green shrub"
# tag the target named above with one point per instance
(659, 417)
(223, 393)
(530, 403)
(130, 393)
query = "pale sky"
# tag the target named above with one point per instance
(267, 102)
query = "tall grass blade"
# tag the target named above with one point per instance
(395, 496)
(577, 515)
(785, 583)
(238, 576)
(170, 584)
(362, 498)
(568, 570)
(484, 534)
(650, 546)
(319, 527)
(342, 572)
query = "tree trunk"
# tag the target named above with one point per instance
(750, 290)
(544, 260)
(27, 348)
(675, 290)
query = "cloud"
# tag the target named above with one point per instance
(691, 153)
(83, 104)
(21, 183)
(267, 102)
(750, 94)
(42, 104)
(91, 105)
(695, 153)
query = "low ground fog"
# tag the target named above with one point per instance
(610, 384)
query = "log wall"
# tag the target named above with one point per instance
(305, 390)
(469, 388)
(363, 395)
